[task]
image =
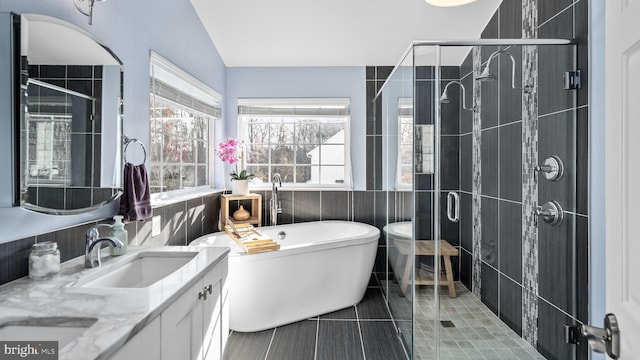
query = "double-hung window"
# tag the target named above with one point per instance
(415, 146)
(182, 111)
(306, 141)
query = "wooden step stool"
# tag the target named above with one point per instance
(424, 247)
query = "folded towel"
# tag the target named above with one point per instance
(135, 204)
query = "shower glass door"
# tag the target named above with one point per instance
(394, 109)
(506, 179)
(484, 162)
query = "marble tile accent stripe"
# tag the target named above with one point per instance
(529, 185)
(476, 186)
(529, 19)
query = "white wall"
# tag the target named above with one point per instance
(597, 68)
(295, 82)
(132, 29)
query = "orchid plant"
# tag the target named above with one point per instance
(230, 151)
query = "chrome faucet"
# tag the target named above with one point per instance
(92, 245)
(274, 204)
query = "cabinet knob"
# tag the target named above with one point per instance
(209, 288)
(202, 295)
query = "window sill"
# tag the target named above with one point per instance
(160, 200)
(298, 188)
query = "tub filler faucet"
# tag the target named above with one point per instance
(92, 245)
(275, 206)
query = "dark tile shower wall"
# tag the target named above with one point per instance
(182, 222)
(87, 80)
(396, 206)
(560, 261)
(562, 251)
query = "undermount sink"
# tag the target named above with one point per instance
(62, 330)
(142, 270)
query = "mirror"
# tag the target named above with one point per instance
(71, 123)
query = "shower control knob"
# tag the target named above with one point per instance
(551, 212)
(552, 168)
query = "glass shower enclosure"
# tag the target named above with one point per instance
(479, 146)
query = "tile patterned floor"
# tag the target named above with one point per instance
(364, 332)
(477, 332)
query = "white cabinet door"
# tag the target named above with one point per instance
(623, 170)
(211, 324)
(211, 315)
(191, 326)
(181, 335)
(224, 311)
(145, 345)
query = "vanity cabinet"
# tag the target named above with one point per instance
(195, 326)
(191, 325)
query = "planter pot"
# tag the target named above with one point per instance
(240, 187)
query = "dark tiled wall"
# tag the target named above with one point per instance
(182, 222)
(85, 79)
(449, 150)
(562, 117)
(423, 183)
(369, 207)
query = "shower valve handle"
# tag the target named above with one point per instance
(545, 212)
(551, 212)
(544, 168)
(552, 168)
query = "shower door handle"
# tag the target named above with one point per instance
(453, 206)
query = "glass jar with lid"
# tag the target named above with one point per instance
(44, 260)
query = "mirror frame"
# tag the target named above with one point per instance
(17, 222)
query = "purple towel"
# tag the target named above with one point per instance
(135, 204)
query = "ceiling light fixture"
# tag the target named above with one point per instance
(448, 3)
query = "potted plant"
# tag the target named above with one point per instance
(230, 151)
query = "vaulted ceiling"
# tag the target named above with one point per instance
(334, 32)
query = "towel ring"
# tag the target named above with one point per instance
(127, 140)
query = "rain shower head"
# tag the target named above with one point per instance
(444, 98)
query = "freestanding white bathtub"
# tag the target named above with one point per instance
(321, 267)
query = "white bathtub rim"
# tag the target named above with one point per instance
(221, 239)
(394, 230)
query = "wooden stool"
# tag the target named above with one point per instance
(424, 247)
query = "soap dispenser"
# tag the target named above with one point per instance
(119, 233)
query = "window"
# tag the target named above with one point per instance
(424, 144)
(59, 124)
(306, 141)
(181, 114)
(405, 143)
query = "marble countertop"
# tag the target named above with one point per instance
(121, 312)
